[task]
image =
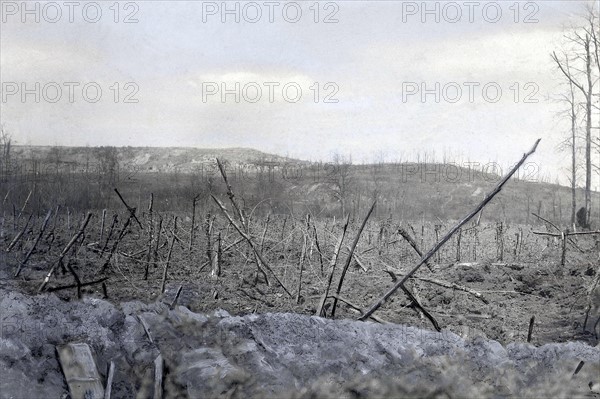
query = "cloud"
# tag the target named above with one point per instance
(365, 58)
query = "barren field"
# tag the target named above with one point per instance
(491, 281)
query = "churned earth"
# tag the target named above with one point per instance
(273, 355)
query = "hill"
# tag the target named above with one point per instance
(84, 177)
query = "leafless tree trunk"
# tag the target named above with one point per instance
(582, 43)
(341, 180)
(571, 143)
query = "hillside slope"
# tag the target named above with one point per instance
(432, 191)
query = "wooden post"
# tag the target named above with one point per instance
(437, 228)
(102, 225)
(150, 234)
(194, 201)
(216, 269)
(349, 259)
(301, 265)
(318, 247)
(116, 243)
(65, 251)
(42, 229)
(530, 329)
(283, 227)
(208, 233)
(321, 309)
(264, 234)
(157, 242)
(458, 239)
(164, 277)
(564, 237)
(500, 241)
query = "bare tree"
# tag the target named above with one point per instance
(341, 179)
(580, 75)
(571, 142)
(593, 18)
(108, 159)
(5, 139)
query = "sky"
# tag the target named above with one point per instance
(372, 80)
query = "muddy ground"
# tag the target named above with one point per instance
(273, 355)
(276, 347)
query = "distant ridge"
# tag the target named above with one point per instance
(150, 159)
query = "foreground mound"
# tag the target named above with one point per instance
(272, 355)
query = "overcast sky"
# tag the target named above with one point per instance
(372, 63)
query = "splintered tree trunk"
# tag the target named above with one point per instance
(349, 259)
(283, 227)
(110, 232)
(563, 254)
(194, 201)
(437, 238)
(116, 243)
(42, 229)
(475, 243)
(216, 266)
(321, 310)
(318, 247)
(301, 265)
(458, 239)
(588, 131)
(500, 241)
(19, 236)
(208, 233)
(165, 270)
(102, 225)
(150, 235)
(157, 242)
(264, 234)
(65, 251)
(69, 220)
(447, 236)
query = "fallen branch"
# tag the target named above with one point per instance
(557, 229)
(436, 247)
(65, 251)
(413, 244)
(332, 264)
(37, 240)
(130, 209)
(65, 287)
(145, 327)
(349, 258)
(251, 244)
(422, 309)
(226, 249)
(164, 276)
(18, 236)
(356, 307)
(172, 306)
(444, 284)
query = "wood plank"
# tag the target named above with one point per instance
(80, 370)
